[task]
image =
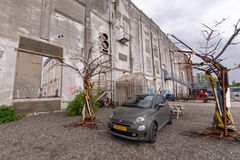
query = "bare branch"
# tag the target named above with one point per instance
(207, 27)
(216, 47)
(99, 64)
(204, 31)
(72, 67)
(184, 44)
(235, 43)
(217, 35)
(80, 56)
(235, 67)
(101, 71)
(201, 69)
(236, 32)
(97, 58)
(220, 60)
(89, 53)
(200, 51)
(220, 22)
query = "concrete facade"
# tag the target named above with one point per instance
(137, 44)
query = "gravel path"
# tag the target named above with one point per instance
(45, 137)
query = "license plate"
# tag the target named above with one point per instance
(121, 128)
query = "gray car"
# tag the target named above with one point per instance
(140, 117)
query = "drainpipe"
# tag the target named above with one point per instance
(130, 41)
(110, 49)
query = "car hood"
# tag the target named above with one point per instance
(131, 112)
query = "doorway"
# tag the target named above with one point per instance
(38, 77)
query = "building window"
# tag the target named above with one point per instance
(157, 67)
(147, 46)
(125, 27)
(146, 33)
(149, 64)
(155, 51)
(122, 57)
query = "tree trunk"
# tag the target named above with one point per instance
(88, 114)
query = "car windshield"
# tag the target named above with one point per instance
(139, 101)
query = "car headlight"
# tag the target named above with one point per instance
(140, 120)
(141, 128)
(111, 115)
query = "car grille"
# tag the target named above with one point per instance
(129, 134)
(123, 122)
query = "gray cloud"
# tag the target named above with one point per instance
(183, 19)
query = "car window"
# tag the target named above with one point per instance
(157, 100)
(162, 99)
(140, 101)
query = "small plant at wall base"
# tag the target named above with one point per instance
(7, 114)
(75, 106)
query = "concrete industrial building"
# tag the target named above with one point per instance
(31, 29)
(51, 78)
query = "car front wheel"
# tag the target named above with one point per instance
(170, 118)
(153, 132)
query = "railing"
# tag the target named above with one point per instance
(174, 77)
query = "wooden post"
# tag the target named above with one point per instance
(224, 102)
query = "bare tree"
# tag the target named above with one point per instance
(210, 53)
(88, 66)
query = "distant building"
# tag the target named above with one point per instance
(57, 28)
(51, 78)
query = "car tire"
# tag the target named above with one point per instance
(153, 132)
(170, 118)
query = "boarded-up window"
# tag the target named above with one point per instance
(147, 46)
(157, 67)
(149, 64)
(122, 57)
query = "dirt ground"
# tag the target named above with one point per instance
(45, 137)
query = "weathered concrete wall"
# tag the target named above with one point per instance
(72, 40)
(17, 18)
(121, 25)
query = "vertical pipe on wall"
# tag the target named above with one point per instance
(110, 49)
(130, 40)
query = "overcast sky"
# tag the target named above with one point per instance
(183, 18)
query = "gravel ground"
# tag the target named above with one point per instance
(45, 137)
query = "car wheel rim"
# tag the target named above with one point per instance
(154, 133)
